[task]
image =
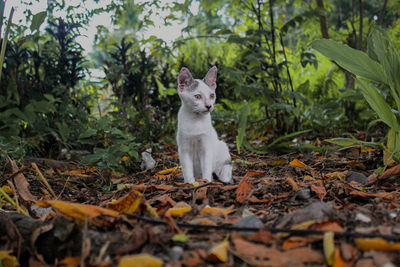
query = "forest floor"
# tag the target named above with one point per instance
(316, 209)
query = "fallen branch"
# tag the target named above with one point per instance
(297, 232)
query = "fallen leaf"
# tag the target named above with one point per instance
(140, 260)
(329, 225)
(337, 175)
(168, 171)
(329, 247)
(255, 173)
(297, 163)
(21, 185)
(220, 251)
(179, 209)
(277, 163)
(244, 189)
(339, 262)
(8, 260)
(216, 211)
(171, 223)
(7, 189)
(385, 195)
(70, 261)
(128, 203)
(378, 244)
(292, 183)
(295, 242)
(180, 238)
(260, 255)
(77, 211)
(390, 172)
(319, 190)
(203, 221)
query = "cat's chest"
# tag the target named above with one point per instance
(194, 127)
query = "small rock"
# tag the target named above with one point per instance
(175, 253)
(249, 221)
(363, 218)
(147, 161)
(356, 177)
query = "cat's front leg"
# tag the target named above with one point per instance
(206, 160)
(187, 166)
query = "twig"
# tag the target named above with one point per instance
(44, 180)
(298, 232)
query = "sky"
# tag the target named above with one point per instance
(169, 33)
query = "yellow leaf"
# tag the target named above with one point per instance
(167, 171)
(7, 189)
(277, 163)
(379, 244)
(297, 163)
(126, 204)
(75, 210)
(220, 251)
(202, 221)
(124, 158)
(329, 248)
(8, 260)
(140, 260)
(179, 209)
(216, 211)
(151, 210)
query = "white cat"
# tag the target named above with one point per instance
(201, 153)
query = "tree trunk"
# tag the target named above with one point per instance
(322, 20)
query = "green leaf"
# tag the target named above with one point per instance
(379, 105)
(242, 126)
(88, 133)
(346, 142)
(38, 20)
(351, 59)
(180, 238)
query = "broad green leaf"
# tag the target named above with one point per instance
(37, 20)
(351, 59)
(243, 113)
(342, 141)
(379, 105)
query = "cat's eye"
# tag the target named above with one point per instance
(212, 96)
(197, 96)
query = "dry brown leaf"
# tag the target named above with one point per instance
(128, 203)
(171, 223)
(21, 185)
(217, 211)
(385, 195)
(390, 172)
(329, 225)
(244, 189)
(292, 183)
(260, 255)
(295, 242)
(319, 190)
(255, 173)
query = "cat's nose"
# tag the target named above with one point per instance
(208, 107)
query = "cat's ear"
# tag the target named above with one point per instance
(185, 79)
(211, 78)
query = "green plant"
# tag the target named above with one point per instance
(378, 69)
(110, 145)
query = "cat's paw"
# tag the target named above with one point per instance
(190, 180)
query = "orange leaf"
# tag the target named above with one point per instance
(140, 260)
(128, 203)
(244, 189)
(290, 181)
(77, 211)
(319, 190)
(216, 211)
(339, 262)
(70, 261)
(378, 244)
(202, 221)
(171, 223)
(297, 163)
(295, 242)
(179, 209)
(168, 171)
(220, 251)
(255, 173)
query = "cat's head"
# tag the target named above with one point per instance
(198, 95)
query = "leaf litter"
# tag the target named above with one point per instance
(287, 210)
